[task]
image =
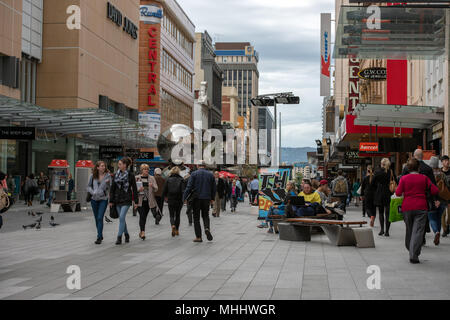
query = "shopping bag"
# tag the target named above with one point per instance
(395, 210)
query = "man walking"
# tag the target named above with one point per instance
(339, 189)
(220, 194)
(446, 216)
(254, 189)
(203, 184)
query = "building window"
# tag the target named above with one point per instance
(28, 80)
(179, 36)
(174, 69)
(9, 71)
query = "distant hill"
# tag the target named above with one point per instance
(292, 155)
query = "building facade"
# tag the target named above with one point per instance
(166, 66)
(230, 105)
(207, 71)
(239, 62)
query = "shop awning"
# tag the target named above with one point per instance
(95, 125)
(404, 32)
(417, 117)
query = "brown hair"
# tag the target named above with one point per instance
(95, 171)
(413, 165)
(370, 169)
(126, 161)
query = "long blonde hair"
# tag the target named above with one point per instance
(370, 169)
(385, 164)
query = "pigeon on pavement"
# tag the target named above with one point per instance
(31, 226)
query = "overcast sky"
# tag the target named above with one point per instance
(286, 33)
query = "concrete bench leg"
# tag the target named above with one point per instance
(340, 236)
(291, 232)
(364, 237)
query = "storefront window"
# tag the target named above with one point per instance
(44, 151)
(86, 151)
(9, 157)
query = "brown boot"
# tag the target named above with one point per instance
(177, 233)
(174, 231)
(372, 221)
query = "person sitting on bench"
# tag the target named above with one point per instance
(279, 210)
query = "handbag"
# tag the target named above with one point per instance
(91, 184)
(392, 183)
(358, 192)
(113, 212)
(395, 209)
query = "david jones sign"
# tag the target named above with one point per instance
(116, 16)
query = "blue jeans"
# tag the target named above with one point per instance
(50, 196)
(273, 211)
(435, 218)
(42, 194)
(122, 211)
(99, 208)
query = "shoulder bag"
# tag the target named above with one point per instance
(392, 183)
(430, 200)
(91, 184)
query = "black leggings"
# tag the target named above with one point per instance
(384, 218)
(143, 213)
(175, 211)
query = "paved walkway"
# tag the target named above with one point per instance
(243, 262)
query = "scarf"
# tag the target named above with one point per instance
(121, 179)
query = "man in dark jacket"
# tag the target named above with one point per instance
(220, 194)
(203, 184)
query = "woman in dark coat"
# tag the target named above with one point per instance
(173, 193)
(368, 194)
(382, 198)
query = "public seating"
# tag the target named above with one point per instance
(340, 233)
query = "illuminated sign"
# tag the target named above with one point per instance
(153, 61)
(368, 147)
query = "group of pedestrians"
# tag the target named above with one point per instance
(425, 192)
(146, 193)
(226, 191)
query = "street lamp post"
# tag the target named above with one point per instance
(269, 100)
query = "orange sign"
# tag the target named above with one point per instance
(368, 146)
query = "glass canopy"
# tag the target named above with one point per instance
(93, 124)
(404, 32)
(397, 116)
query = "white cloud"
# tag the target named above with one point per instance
(286, 34)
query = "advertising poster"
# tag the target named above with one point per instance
(152, 123)
(272, 186)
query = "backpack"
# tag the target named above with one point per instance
(442, 184)
(340, 187)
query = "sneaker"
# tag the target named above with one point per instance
(208, 235)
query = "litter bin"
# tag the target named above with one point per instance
(83, 171)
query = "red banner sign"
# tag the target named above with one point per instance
(368, 147)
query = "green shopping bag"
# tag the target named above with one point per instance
(395, 210)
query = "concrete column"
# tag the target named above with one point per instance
(446, 135)
(70, 154)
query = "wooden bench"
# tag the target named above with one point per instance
(340, 233)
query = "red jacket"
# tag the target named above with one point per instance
(413, 188)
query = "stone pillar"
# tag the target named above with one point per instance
(70, 154)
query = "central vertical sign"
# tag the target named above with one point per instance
(353, 90)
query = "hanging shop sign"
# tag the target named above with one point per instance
(116, 16)
(18, 133)
(325, 53)
(374, 155)
(375, 74)
(368, 146)
(351, 155)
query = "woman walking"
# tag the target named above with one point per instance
(173, 194)
(123, 194)
(235, 194)
(382, 198)
(368, 195)
(435, 215)
(98, 189)
(413, 187)
(31, 189)
(147, 188)
(355, 194)
(42, 184)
